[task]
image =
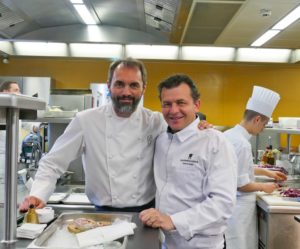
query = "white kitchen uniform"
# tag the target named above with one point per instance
(195, 174)
(117, 155)
(242, 226)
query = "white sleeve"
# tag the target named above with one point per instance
(67, 148)
(243, 158)
(209, 216)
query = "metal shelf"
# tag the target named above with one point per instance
(13, 107)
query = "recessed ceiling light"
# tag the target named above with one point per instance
(265, 37)
(285, 22)
(84, 13)
(76, 1)
(288, 20)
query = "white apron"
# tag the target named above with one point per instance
(242, 230)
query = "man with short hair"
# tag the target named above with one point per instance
(9, 87)
(242, 228)
(195, 173)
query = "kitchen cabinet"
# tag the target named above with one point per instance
(277, 228)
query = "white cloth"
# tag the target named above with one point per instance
(195, 175)
(242, 226)
(263, 101)
(45, 214)
(117, 156)
(104, 234)
(30, 231)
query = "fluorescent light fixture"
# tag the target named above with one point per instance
(207, 53)
(84, 14)
(76, 1)
(263, 55)
(285, 22)
(163, 52)
(6, 47)
(95, 34)
(96, 50)
(265, 37)
(288, 19)
(296, 56)
(41, 48)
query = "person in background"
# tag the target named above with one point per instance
(116, 142)
(32, 145)
(195, 173)
(9, 87)
(242, 230)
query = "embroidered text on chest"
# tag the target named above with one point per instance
(190, 159)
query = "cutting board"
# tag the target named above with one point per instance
(276, 200)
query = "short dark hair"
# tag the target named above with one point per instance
(5, 86)
(176, 80)
(131, 63)
(249, 115)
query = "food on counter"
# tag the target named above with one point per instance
(290, 192)
(274, 168)
(84, 224)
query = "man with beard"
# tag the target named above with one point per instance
(116, 142)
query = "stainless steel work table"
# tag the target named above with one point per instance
(277, 227)
(144, 237)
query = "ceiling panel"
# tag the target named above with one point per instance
(248, 23)
(125, 13)
(208, 20)
(8, 17)
(198, 22)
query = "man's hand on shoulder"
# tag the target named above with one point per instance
(203, 124)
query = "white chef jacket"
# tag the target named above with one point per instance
(117, 155)
(195, 176)
(242, 226)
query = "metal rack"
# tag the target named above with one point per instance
(12, 108)
(277, 130)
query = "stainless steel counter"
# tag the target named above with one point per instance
(143, 238)
(277, 227)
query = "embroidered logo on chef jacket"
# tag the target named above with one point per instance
(190, 160)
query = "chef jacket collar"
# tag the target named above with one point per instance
(243, 131)
(186, 132)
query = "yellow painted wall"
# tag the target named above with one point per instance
(225, 87)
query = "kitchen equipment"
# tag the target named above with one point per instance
(276, 225)
(57, 232)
